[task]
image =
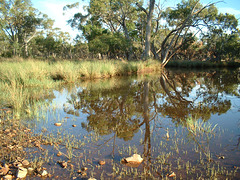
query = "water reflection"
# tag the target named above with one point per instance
(124, 108)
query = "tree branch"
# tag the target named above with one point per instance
(142, 8)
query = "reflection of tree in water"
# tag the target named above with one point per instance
(121, 109)
(183, 97)
(110, 110)
(194, 94)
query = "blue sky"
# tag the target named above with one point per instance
(54, 9)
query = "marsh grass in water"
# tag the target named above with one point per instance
(188, 158)
(199, 127)
(167, 156)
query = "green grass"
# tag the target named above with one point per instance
(24, 81)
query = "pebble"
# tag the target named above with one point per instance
(7, 130)
(25, 163)
(135, 158)
(63, 164)
(4, 170)
(58, 124)
(30, 169)
(44, 173)
(59, 153)
(101, 162)
(8, 177)
(22, 172)
(172, 174)
(84, 168)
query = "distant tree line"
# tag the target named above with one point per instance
(127, 29)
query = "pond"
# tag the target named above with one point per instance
(184, 124)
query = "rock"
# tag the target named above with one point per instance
(79, 171)
(135, 158)
(7, 130)
(59, 153)
(167, 134)
(84, 168)
(84, 173)
(58, 124)
(37, 144)
(91, 178)
(25, 163)
(74, 125)
(71, 166)
(4, 170)
(43, 173)
(221, 157)
(101, 162)
(63, 164)
(8, 177)
(22, 172)
(14, 131)
(172, 174)
(30, 169)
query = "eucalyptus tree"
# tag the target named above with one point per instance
(4, 45)
(115, 16)
(54, 43)
(184, 23)
(222, 37)
(20, 22)
(149, 14)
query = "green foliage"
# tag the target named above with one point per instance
(117, 29)
(108, 44)
(223, 38)
(19, 24)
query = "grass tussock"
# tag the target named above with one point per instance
(22, 81)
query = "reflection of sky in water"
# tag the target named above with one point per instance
(61, 101)
(228, 120)
(60, 98)
(228, 124)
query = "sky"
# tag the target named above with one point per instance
(54, 10)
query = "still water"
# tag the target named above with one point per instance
(184, 124)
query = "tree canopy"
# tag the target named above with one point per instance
(131, 30)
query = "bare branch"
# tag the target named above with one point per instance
(142, 8)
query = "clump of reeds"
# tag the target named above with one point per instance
(20, 77)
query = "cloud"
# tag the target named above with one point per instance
(54, 10)
(229, 10)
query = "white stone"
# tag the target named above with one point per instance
(22, 172)
(135, 158)
(44, 173)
